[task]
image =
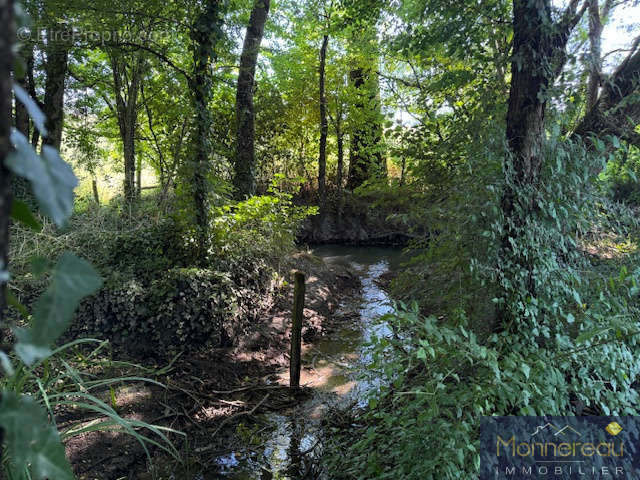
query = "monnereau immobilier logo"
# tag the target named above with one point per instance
(558, 448)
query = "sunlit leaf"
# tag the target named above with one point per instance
(32, 108)
(52, 180)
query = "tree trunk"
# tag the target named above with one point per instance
(324, 129)
(245, 164)
(365, 156)
(340, 142)
(357, 162)
(526, 112)
(617, 110)
(35, 135)
(22, 117)
(94, 187)
(595, 53)
(139, 177)
(205, 36)
(21, 187)
(7, 33)
(57, 50)
(127, 111)
(531, 74)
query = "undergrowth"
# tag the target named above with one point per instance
(570, 348)
(156, 297)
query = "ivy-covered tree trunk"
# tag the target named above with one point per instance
(245, 162)
(7, 33)
(531, 74)
(539, 48)
(205, 34)
(56, 70)
(324, 129)
(126, 95)
(366, 160)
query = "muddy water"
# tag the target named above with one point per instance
(282, 446)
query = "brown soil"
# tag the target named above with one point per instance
(207, 395)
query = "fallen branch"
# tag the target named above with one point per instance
(232, 417)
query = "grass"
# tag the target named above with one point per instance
(71, 380)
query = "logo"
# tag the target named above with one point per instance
(557, 431)
(585, 448)
(614, 428)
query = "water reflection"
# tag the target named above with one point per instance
(334, 367)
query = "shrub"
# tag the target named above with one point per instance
(571, 346)
(620, 176)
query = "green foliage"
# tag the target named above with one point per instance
(620, 177)
(20, 212)
(51, 178)
(439, 380)
(266, 224)
(33, 448)
(33, 445)
(72, 280)
(440, 76)
(67, 378)
(108, 237)
(443, 374)
(153, 296)
(31, 440)
(141, 252)
(427, 401)
(543, 233)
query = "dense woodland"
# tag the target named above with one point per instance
(164, 165)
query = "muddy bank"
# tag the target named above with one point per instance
(358, 222)
(356, 231)
(210, 394)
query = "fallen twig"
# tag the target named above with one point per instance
(232, 417)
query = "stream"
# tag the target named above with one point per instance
(334, 367)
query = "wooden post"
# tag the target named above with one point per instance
(296, 330)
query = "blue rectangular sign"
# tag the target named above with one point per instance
(560, 448)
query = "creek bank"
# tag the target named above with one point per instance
(359, 221)
(210, 392)
(356, 231)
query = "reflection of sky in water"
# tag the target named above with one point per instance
(336, 366)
